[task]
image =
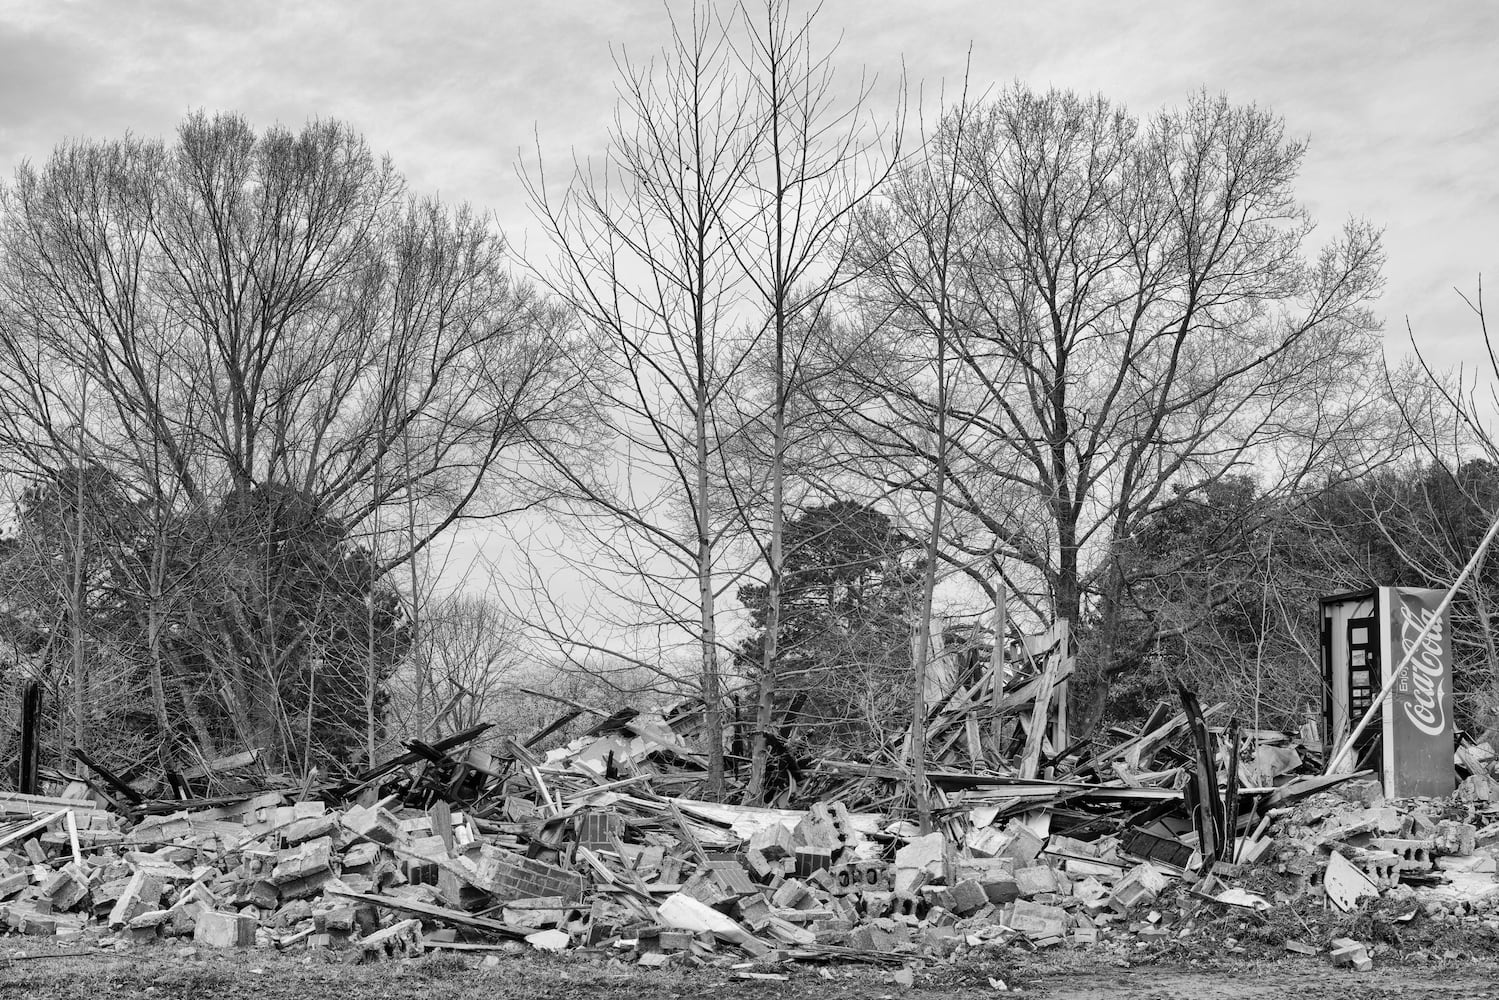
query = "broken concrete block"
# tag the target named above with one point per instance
(774, 841)
(1140, 885)
(755, 912)
(922, 860)
(968, 897)
(401, 939)
(1414, 855)
(377, 825)
(548, 940)
(1345, 885)
(224, 930)
(1033, 880)
(816, 833)
(1021, 843)
(1346, 952)
(1037, 920)
(309, 859)
(142, 892)
(986, 842)
(1456, 838)
(791, 894)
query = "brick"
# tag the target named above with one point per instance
(511, 876)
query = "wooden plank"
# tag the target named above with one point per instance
(230, 763)
(997, 672)
(32, 827)
(1030, 760)
(975, 746)
(31, 721)
(439, 912)
(110, 778)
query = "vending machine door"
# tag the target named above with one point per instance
(1364, 680)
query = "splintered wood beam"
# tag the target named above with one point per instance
(1030, 760)
(440, 912)
(553, 726)
(110, 778)
(997, 672)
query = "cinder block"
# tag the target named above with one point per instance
(224, 930)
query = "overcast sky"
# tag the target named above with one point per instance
(1398, 98)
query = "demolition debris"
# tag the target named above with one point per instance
(1179, 836)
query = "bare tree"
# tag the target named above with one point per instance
(266, 327)
(1137, 316)
(647, 259)
(901, 411)
(817, 160)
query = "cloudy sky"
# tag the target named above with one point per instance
(1398, 98)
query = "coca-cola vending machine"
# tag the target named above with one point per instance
(1364, 635)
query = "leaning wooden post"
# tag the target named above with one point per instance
(997, 673)
(1030, 762)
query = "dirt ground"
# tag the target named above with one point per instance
(164, 973)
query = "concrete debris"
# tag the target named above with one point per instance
(578, 851)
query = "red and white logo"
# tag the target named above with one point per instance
(1425, 706)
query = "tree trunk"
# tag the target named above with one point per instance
(712, 696)
(766, 693)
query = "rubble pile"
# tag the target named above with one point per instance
(453, 848)
(1175, 835)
